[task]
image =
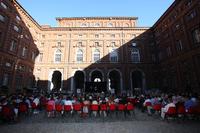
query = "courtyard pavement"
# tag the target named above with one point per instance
(140, 123)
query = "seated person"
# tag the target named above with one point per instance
(166, 108)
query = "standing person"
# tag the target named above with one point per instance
(86, 104)
(148, 105)
(94, 103)
(35, 105)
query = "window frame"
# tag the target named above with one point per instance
(79, 55)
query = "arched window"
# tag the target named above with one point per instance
(83, 25)
(110, 25)
(113, 55)
(135, 55)
(96, 55)
(57, 56)
(126, 25)
(97, 25)
(79, 55)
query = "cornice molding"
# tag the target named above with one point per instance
(93, 28)
(98, 18)
(18, 6)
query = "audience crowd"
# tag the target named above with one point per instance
(14, 106)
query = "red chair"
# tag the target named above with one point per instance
(130, 107)
(112, 107)
(58, 107)
(181, 110)
(49, 108)
(67, 108)
(77, 107)
(33, 105)
(198, 109)
(171, 113)
(94, 107)
(103, 107)
(157, 107)
(121, 107)
(148, 104)
(7, 113)
(23, 108)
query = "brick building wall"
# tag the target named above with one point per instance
(17, 50)
(177, 39)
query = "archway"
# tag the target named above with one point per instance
(114, 82)
(96, 83)
(79, 81)
(56, 80)
(96, 76)
(137, 81)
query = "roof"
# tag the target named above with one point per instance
(90, 18)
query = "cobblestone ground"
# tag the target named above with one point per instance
(140, 123)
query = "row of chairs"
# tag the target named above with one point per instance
(179, 110)
(92, 107)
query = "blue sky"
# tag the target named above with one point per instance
(45, 11)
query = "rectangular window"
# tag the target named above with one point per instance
(135, 55)
(169, 52)
(196, 35)
(191, 15)
(79, 44)
(79, 58)
(113, 35)
(57, 57)
(40, 57)
(18, 18)
(33, 56)
(112, 44)
(21, 68)
(96, 44)
(2, 18)
(153, 57)
(8, 64)
(113, 58)
(13, 45)
(96, 57)
(1, 39)
(58, 44)
(42, 44)
(16, 28)
(96, 35)
(24, 52)
(160, 55)
(133, 35)
(4, 5)
(26, 36)
(18, 82)
(188, 3)
(59, 36)
(5, 80)
(179, 45)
